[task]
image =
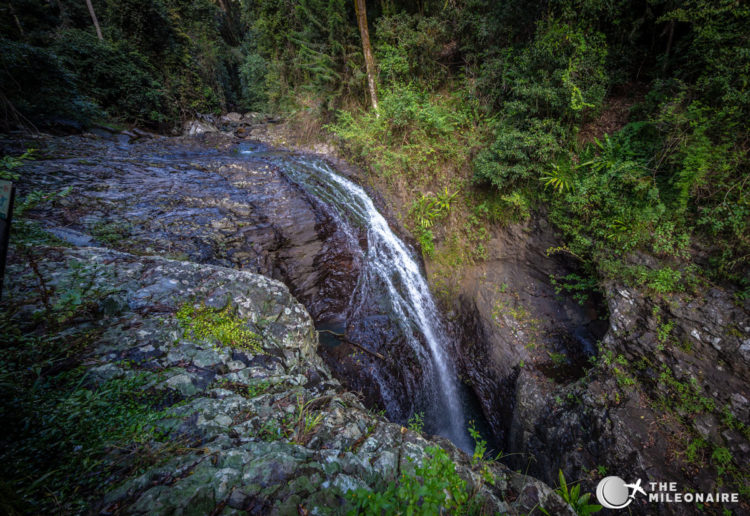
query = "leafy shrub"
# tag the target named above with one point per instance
(37, 84)
(519, 154)
(253, 73)
(579, 502)
(416, 422)
(9, 163)
(425, 211)
(614, 204)
(118, 78)
(559, 74)
(665, 280)
(415, 135)
(409, 114)
(410, 49)
(435, 488)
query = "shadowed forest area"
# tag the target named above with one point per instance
(628, 120)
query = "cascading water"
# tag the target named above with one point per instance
(390, 282)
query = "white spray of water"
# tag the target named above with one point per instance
(390, 264)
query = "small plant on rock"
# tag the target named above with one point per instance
(416, 422)
(579, 502)
(221, 326)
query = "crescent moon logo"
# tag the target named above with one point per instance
(612, 493)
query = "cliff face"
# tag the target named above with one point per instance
(241, 413)
(664, 398)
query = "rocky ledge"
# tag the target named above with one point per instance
(262, 426)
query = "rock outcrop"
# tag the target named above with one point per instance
(664, 397)
(245, 415)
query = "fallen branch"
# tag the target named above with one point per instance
(360, 346)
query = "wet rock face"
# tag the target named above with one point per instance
(236, 411)
(638, 415)
(200, 199)
(185, 199)
(511, 318)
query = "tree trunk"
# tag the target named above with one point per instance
(669, 48)
(15, 17)
(361, 10)
(93, 18)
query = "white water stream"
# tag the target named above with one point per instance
(390, 270)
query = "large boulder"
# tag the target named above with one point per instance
(262, 430)
(197, 127)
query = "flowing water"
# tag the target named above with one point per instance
(391, 285)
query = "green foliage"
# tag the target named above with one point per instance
(426, 240)
(480, 450)
(722, 458)
(663, 332)
(539, 90)
(614, 205)
(60, 423)
(312, 49)
(518, 155)
(435, 488)
(579, 502)
(408, 113)
(9, 163)
(220, 326)
(683, 397)
(252, 390)
(694, 453)
(430, 207)
(559, 179)
(581, 287)
(415, 133)
(115, 76)
(516, 206)
(79, 293)
(61, 431)
(425, 211)
(111, 233)
(253, 72)
(558, 359)
(161, 61)
(37, 86)
(416, 422)
(410, 49)
(480, 445)
(665, 280)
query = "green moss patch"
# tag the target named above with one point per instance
(224, 326)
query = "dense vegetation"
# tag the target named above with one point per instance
(628, 121)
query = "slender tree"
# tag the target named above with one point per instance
(93, 18)
(15, 18)
(361, 10)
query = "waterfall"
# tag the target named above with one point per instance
(389, 270)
